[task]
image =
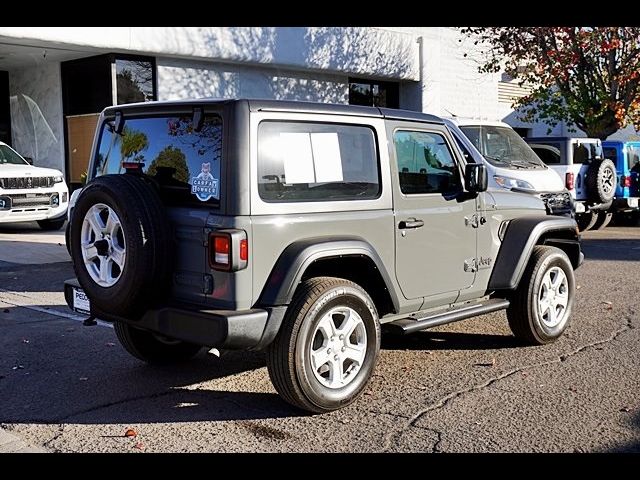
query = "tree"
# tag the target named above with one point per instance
(586, 76)
(132, 144)
(171, 157)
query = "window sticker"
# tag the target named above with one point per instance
(326, 157)
(204, 186)
(297, 157)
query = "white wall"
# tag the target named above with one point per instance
(36, 114)
(179, 79)
(346, 50)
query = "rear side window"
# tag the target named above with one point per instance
(311, 162)
(611, 153)
(425, 163)
(586, 152)
(185, 162)
(548, 154)
(633, 157)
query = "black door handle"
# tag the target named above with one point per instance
(411, 223)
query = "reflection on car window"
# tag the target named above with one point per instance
(425, 163)
(550, 155)
(169, 149)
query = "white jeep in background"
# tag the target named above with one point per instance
(29, 193)
(590, 177)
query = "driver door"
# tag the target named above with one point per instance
(435, 221)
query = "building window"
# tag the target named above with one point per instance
(135, 80)
(374, 93)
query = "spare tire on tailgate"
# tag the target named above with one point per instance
(120, 244)
(601, 181)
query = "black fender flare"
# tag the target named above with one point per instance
(298, 256)
(521, 235)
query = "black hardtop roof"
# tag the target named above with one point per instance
(256, 105)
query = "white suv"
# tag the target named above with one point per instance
(29, 193)
(510, 162)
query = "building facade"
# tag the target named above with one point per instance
(54, 81)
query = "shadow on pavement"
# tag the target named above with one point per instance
(611, 249)
(632, 447)
(431, 340)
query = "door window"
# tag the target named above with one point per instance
(425, 163)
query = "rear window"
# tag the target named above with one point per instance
(185, 162)
(633, 157)
(312, 162)
(586, 152)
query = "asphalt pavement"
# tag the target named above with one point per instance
(464, 387)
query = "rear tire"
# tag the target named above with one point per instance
(603, 219)
(153, 348)
(327, 346)
(541, 306)
(51, 225)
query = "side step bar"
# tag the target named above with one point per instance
(411, 325)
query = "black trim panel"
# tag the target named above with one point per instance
(521, 236)
(295, 259)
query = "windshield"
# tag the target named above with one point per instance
(502, 146)
(7, 155)
(185, 162)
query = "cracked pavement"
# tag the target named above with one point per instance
(465, 387)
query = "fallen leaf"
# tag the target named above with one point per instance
(130, 433)
(24, 340)
(18, 367)
(578, 287)
(607, 303)
(625, 409)
(139, 446)
(83, 379)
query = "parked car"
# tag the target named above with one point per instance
(589, 176)
(626, 157)
(301, 228)
(29, 193)
(510, 163)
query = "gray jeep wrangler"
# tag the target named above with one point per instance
(300, 229)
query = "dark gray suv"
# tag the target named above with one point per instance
(300, 229)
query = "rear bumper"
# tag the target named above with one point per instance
(233, 329)
(628, 204)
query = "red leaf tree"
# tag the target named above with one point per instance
(585, 76)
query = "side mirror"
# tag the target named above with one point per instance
(476, 178)
(29, 160)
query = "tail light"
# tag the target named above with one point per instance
(569, 181)
(625, 181)
(228, 250)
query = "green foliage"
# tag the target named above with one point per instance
(585, 76)
(174, 158)
(132, 144)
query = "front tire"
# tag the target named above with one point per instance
(541, 306)
(327, 346)
(153, 348)
(51, 225)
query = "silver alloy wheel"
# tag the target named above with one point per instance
(338, 347)
(608, 180)
(103, 245)
(553, 297)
